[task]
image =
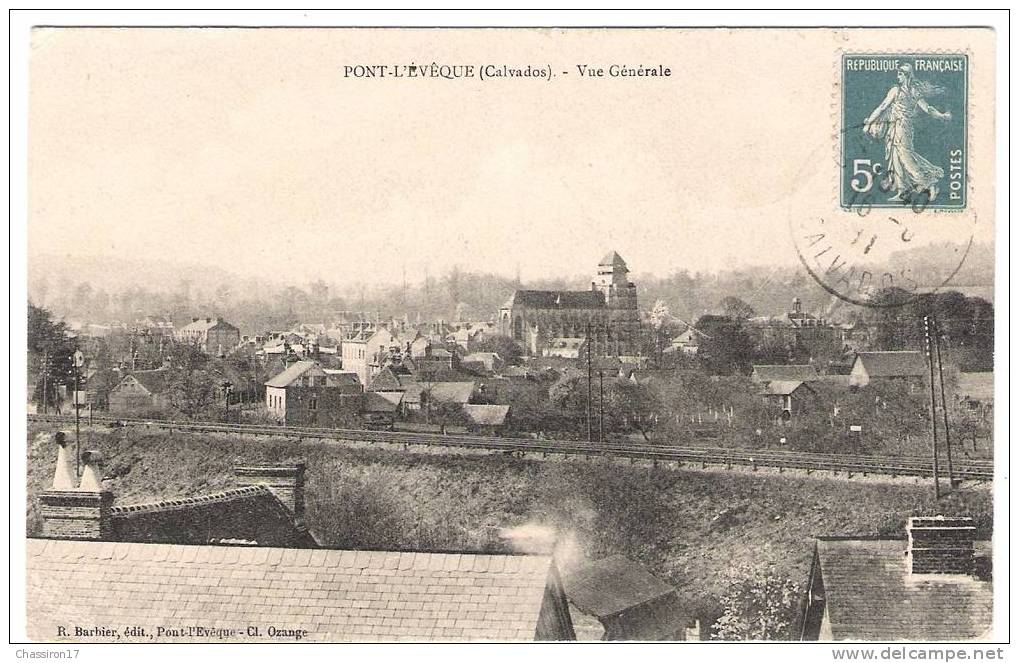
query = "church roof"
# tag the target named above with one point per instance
(612, 259)
(553, 299)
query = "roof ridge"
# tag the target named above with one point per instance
(187, 502)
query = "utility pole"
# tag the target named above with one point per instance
(588, 341)
(601, 406)
(944, 405)
(45, 379)
(77, 361)
(934, 414)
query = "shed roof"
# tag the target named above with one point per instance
(334, 595)
(893, 363)
(608, 586)
(781, 387)
(870, 595)
(487, 415)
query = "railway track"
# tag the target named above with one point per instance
(968, 469)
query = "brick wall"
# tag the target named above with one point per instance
(285, 481)
(251, 514)
(941, 545)
(76, 514)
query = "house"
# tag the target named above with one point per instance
(573, 347)
(213, 336)
(763, 373)
(617, 599)
(489, 362)
(99, 382)
(486, 418)
(378, 410)
(906, 366)
(793, 328)
(362, 352)
(447, 392)
(687, 343)
(305, 394)
(975, 392)
(934, 586)
(215, 568)
(786, 397)
(141, 390)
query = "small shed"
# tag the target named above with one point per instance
(625, 601)
(486, 418)
(787, 395)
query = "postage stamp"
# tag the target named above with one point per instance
(904, 128)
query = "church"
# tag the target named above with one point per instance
(606, 315)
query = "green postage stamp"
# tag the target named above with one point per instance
(904, 120)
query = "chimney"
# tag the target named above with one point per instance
(194, 319)
(940, 545)
(63, 478)
(82, 513)
(285, 481)
(90, 477)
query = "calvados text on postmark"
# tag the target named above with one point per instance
(904, 129)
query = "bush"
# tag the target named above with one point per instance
(758, 606)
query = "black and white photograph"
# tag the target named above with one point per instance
(437, 328)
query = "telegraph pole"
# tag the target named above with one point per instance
(934, 413)
(601, 406)
(944, 405)
(45, 379)
(77, 361)
(588, 341)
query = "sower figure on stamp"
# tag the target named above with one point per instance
(908, 173)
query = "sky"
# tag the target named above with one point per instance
(249, 149)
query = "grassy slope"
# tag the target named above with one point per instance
(375, 498)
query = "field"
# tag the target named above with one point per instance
(690, 528)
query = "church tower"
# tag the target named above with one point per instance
(611, 280)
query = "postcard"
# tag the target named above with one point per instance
(352, 334)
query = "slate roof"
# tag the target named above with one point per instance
(781, 387)
(449, 392)
(630, 602)
(609, 586)
(340, 378)
(391, 379)
(892, 364)
(335, 595)
(382, 402)
(293, 372)
(612, 259)
(870, 595)
(768, 372)
(487, 415)
(558, 299)
(154, 381)
(488, 359)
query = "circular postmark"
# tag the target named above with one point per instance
(858, 251)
